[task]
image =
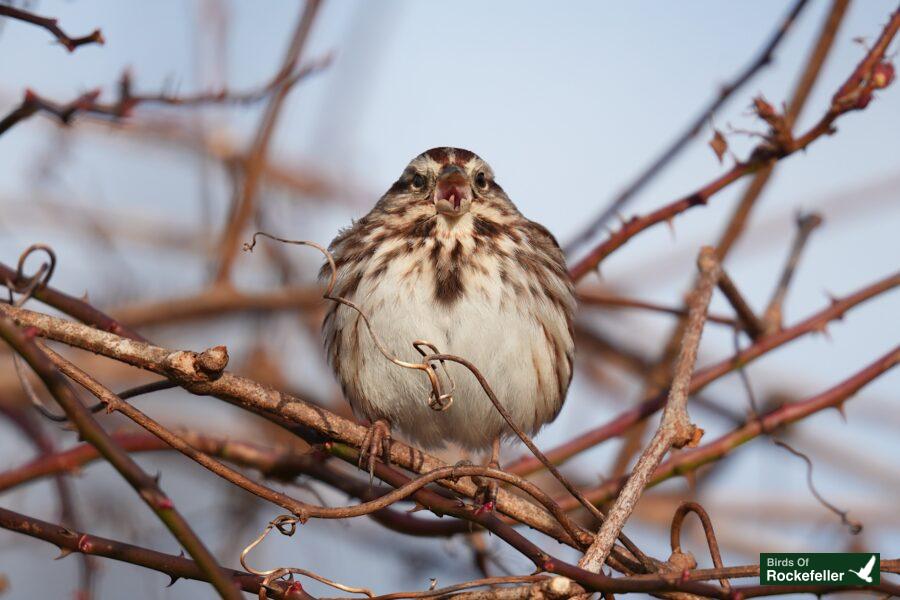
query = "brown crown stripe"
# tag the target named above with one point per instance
(445, 155)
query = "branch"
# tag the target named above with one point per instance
(176, 567)
(257, 156)
(871, 74)
(186, 369)
(691, 460)
(703, 377)
(25, 420)
(774, 314)
(749, 321)
(79, 309)
(50, 24)
(284, 464)
(90, 430)
(763, 59)
(127, 101)
(218, 301)
(675, 429)
(595, 297)
(799, 97)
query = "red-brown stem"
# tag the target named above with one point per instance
(51, 25)
(145, 486)
(176, 567)
(703, 377)
(74, 307)
(590, 297)
(764, 58)
(256, 157)
(692, 459)
(854, 94)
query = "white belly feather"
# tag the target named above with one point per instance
(504, 336)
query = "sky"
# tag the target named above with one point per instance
(567, 105)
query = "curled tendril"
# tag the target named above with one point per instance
(287, 526)
(45, 272)
(438, 399)
(26, 286)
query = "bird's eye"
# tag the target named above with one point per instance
(418, 181)
(481, 180)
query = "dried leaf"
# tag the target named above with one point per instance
(718, 144)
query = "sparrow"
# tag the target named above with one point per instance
(446, 257)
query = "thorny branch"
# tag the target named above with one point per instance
(816, 323)
(176, 567)
(726, 91)
(874, 72)
(774, 313)
(126, 101)
(694, 458)
(799, 97)
(51, 25)
(144, 484)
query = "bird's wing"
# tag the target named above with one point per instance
(868, 568)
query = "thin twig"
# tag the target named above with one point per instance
(751, 323)
(51, 25)
(817, 322)
(854, 94)
(711, 541)
(854, 526)
(690, 460)
(256, 157)
(726, 91)
(773, 316)
(144, 484)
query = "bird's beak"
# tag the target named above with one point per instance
(452, 192)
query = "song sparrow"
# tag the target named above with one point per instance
(445, 256)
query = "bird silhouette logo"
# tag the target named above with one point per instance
(866, 572)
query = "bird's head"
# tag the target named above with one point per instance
(451, 180)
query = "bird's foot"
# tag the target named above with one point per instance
(486, 496)
(376, 441)
(486, 493)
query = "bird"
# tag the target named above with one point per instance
(445, 256)
(866, 572)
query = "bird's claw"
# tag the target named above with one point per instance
(486, 493)
(376, 441)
